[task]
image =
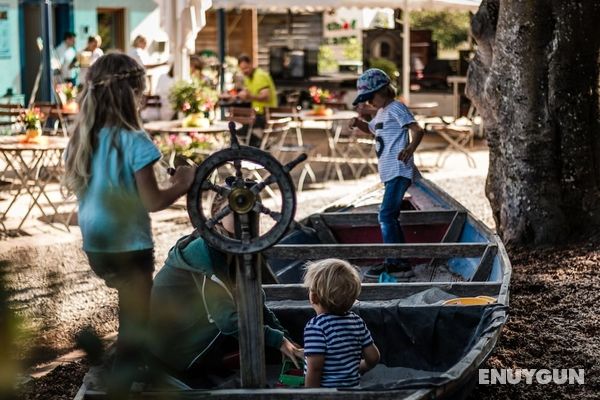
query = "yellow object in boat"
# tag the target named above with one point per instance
(470, 301)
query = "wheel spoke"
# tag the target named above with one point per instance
(237, 164)
(211, 222)
(276, 216)
(221, 190)
(261, 185)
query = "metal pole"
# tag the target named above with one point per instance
(406, 52)
(47, 28)
(222, 38)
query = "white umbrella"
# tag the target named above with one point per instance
(182, 20)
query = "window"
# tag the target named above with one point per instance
(111, 28)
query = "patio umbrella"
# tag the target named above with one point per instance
(466, 5)
(182, 20)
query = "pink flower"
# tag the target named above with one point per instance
(186, 106)
(183, 140)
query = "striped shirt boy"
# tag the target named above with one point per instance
(390, 127)
(341, 340)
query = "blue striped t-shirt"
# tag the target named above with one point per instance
(390, 127)
(341, 339)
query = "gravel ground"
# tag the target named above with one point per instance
(553, 321)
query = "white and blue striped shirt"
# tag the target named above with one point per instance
(341, 339)
(390, 127)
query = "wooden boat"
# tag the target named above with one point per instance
(429, 349)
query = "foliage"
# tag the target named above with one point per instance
(327, 61)
(32, 118)
(319, 95)
(66, 91)
(192, 97)
(194, 146)
(449, 28)
(386, 66)
(352, 50)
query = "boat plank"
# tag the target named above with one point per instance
(484, 268)
(375, 251)
(389, 291)
(364, 219)
(276, 394)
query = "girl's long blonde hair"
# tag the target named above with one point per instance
(110, 98)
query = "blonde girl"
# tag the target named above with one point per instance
(109, 165)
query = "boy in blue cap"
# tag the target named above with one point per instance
(395, 153)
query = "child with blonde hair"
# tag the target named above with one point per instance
(109, 166)
(337, 344)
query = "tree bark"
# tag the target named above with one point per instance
(534, 80)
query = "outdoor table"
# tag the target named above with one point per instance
(425, 106)
(34, 165)
(176, 126)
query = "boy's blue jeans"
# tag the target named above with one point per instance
(389, 212)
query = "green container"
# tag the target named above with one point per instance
(285, 378)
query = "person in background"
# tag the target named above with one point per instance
(259, 89)
(110, 167)
(163, 88)
(88, 56)
(64, 58)
(395, 149)
(337, 343)
(139, 53)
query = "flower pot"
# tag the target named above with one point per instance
(321, 110)
(196, 120)
(33, 133)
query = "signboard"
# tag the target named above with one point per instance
(4, 31)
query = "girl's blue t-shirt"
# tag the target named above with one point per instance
(111, 215)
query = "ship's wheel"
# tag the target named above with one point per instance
(243, 197)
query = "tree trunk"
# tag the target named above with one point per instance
(534, 80)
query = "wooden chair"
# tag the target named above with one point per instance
(245, 116)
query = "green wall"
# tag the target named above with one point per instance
(136, 12)
(11, 67)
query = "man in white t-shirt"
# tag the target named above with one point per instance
(64, 55)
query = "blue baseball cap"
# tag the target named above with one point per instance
(370, 82)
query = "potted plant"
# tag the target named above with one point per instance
(195, 100)
(67, 93)
(194, 146)
(32, 123)
(319, 97)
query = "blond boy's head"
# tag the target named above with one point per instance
(334, 284)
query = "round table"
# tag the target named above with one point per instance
(176, 127)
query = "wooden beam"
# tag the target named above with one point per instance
(451, 236)
(388, 291)
(361, 219)
(375, 250)
(484, 268)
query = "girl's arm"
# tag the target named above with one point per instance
(314, 370)
(370, 358)
(417, 135)
(155, 199)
